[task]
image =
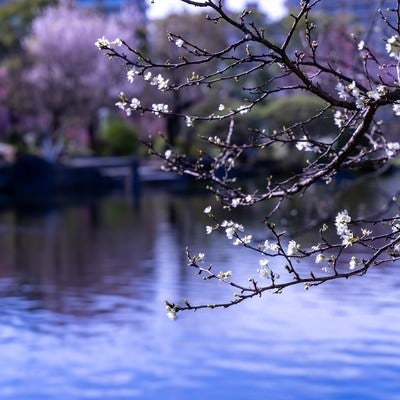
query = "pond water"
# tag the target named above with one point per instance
(82, 315)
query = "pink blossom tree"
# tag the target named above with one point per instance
(69, 79)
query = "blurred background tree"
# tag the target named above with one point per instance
(55, 86)
(15, 21)
(69, 81)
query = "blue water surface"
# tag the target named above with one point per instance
(82, 315)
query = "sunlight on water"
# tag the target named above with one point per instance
(82, 317)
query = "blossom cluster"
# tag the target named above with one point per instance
(160, 82)
(361, 98)
(249, 199)
(341, 222)
(293, 248)
(396, 224)
(131, 75)
(264, 271)
(171, 312)
(160, 108)
(128, 106)
(267, 245)
(224, 275)
(392, 148)
(304, 145)
(104, 43)
(354, 263)
(339, 119)
(393, 47)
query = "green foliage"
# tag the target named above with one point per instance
(16, 17)
(286, 111)
(273, 115)
(119, 138)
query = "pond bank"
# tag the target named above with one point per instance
(31, 175)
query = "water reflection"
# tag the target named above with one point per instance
(82, 318)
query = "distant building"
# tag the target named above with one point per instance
(113, 5)
(361, 10)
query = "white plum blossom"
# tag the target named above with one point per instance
(293, 248)
(200, 257)
(304, 145)
(264, 271)
(274, 247)
(215, 140)
(269, 246)
(382, 90)
(160, 82)
(339, 119)
(131, 74)
(319, 258)
(230, 231)
(147, 76)
(392, 148)
(207, 210)
(117, 42)
(342, 91)
(378, 93)
(135, 104)
(365, 232)
(102, 43)
(172, 315)
(243, 109)
(171, 312)
(354, 262)
(179, 42)
(230, 162)
(355, 92)
(396, 224)
(354, 89)
(235, 202)
(221, 107)
(244, 240)
(361, 45)
(347, 239)
(159, 108)
(341, 222)
(189, 121)
(389, 42)
(237, 226)
(396, 109)
(393, 47)
(374, 94)
(209, 229)
(263, 262)
(223, 275)
(124, 106)
(231, 228)
(247, 239)
(168, 154)
(121, 105)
